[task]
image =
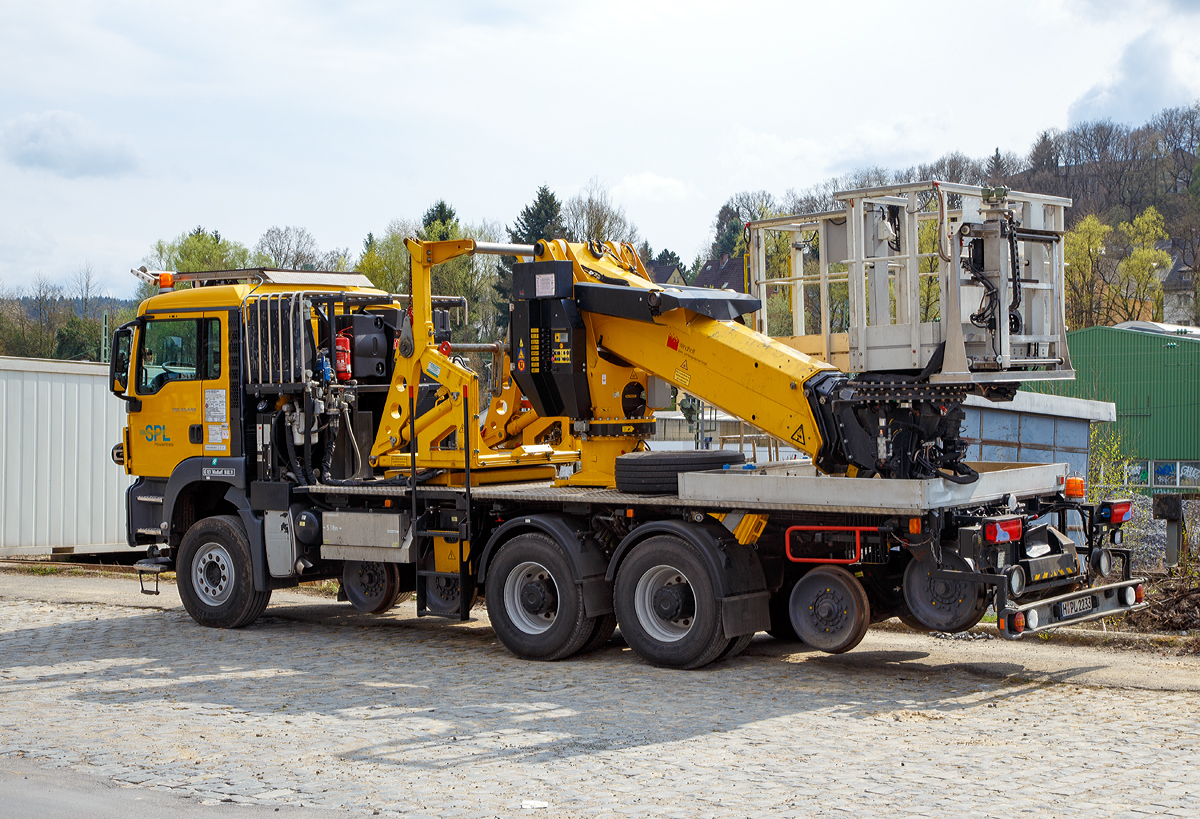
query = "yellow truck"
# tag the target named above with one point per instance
(293, 425)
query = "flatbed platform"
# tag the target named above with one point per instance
(781, 486)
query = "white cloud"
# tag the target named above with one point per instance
(1147, 78)
(650, 187)
(67, 144)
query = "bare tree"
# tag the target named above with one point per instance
(290, 248)
(592, 216)
(86, 288)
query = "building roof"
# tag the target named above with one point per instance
(1158, 327)
(662, 273)
(726, 272)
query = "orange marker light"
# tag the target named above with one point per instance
(914, 526)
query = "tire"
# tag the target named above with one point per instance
(781, 618)
(653, 473)
(830, 610)
(215, 578)
(603, 629)
(695, 636)
(532, 571)
(736, 646)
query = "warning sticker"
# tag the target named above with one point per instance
(798, 435)
(682, 378)
(214, 434)
(434, 369)
(214, 406)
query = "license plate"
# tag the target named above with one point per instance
(1071, 608)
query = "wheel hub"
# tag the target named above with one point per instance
(530, 597)
(213, 574)
(537, 598)
(829, 610)
(674, 602)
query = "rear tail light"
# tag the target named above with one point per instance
(1139, 592)
(1076, 487)
(1002, 530)
(1114, 513)
(1016, 623)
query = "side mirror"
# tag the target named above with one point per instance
(118, 365)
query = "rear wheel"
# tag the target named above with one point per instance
(603, 629)
(214, 573)
(535, 606)
(736, 646)
(666, 605)
(830, 610)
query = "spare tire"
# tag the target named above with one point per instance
(657, 473)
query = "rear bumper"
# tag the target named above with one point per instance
(1106, 601)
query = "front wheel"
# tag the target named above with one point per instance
(667, 607)
(533, 602)
(216, 583)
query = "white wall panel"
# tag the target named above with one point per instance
(59, 490)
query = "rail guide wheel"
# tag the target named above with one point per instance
(829, 609)
(371, 586)
(939, 604)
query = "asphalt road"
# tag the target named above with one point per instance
(115, 702)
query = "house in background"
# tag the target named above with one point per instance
(1179, 292)
(724, 273)
(667, 274)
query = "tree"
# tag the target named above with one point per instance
(997, 169)
(669, 258)
(197, 251)
(1137, 289)
(541, 220)
(645, 253)
(727, 232)
(592, 216)
(85, 288)
(78, 340)
(385, 259)
(1089, 271)
(439, 213)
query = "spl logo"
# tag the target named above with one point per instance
(156, 433)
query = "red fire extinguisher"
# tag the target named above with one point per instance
(341, 358)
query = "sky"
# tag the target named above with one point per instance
(122, 123)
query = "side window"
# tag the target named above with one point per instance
(212, 348)
(167, 352)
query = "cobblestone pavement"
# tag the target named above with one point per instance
(435, 719)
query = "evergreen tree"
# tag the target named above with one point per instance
(439, 213)
(541, 220)
(669, 258)
(996, 170)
